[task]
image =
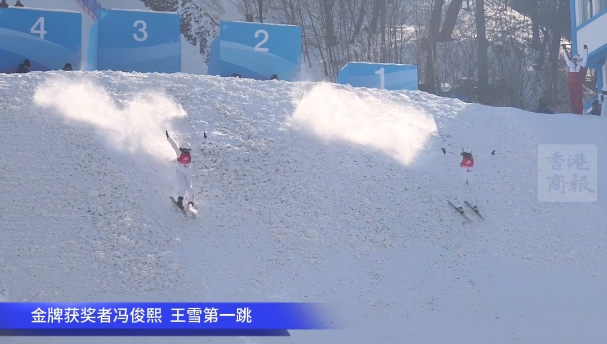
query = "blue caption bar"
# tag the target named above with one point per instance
(159, 318)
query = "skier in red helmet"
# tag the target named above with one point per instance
(467, 188)
(184, 172)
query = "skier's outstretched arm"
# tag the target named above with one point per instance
(566, 56)
(445, 151)
(173, 144)
(584, 56)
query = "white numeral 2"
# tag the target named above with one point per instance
(382, 84)
(142, 30)
(265, 39)
(40, 23)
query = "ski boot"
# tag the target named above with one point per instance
(475, 209)
(460, 210)
(180, 202)
(191, 204)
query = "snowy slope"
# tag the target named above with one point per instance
(587, 130)
(307, 192)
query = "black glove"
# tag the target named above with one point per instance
(493, 152)
(444, 151)
(167, 133)
(585, 46)
(563, 46)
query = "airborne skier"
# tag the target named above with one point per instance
(467, 189)
(184, 172)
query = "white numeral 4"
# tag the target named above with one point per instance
(39, 23)
(265, 39)
(142, 30)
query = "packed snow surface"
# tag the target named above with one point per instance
(306, 192)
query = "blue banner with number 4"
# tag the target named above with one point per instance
(48, 39)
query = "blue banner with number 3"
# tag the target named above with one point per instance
(137, 41)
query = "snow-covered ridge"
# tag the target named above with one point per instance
(307, 192)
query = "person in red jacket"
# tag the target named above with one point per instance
(575, 79)
(184, 172)
(467, 191)
(3, 4)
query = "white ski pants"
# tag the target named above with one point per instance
(467, 191)
(184, 179)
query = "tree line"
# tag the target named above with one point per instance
(495, 52)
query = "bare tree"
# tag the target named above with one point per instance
(260, 10)
(483, 60)
(450, 20)
(557, 14)
(433, 31)
(484, 48)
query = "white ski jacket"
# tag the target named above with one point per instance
(183, 160)
(576, 67)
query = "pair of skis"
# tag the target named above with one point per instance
(464, 214)
(182, 208)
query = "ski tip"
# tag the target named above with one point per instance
(182, 208)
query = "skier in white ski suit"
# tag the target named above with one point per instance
(467, 192)
(183, 172)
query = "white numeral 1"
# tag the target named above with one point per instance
(41, 32)
(142, 30)
(382, 84)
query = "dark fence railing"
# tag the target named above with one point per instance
(90, 7)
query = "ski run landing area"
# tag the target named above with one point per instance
(306, 192)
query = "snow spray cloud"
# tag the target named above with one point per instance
(138, 125)
(367, 117)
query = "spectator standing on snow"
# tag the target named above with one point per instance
(24, 67)
(184, 171)
(575, 79)
(3, 4)
(19, 4)
(67, 67)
